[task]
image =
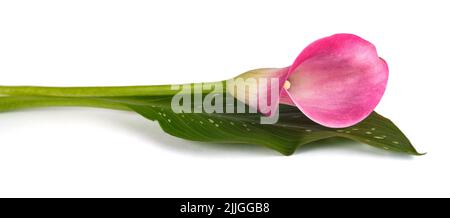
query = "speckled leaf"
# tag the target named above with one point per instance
(291, 131)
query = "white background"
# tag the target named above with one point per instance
(82, 152)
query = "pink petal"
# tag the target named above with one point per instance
(337, 81)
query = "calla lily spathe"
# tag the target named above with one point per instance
(336, 81)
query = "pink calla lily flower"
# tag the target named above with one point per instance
(336, 81)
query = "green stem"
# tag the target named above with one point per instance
(10, 103)
(22, 97)
(86, 91)
(105, 91)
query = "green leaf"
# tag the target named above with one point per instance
(292, 130)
